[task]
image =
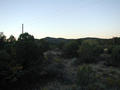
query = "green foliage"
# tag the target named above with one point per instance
(70, 49)
(53, 67)
(89, 51)
(27, 50)
(85, 76)
(24, 62)
(2, 41)
(5, 65)
(88, 79)
(116, 56)
(116, 40)
(43, 45)
(25, 36)
(20, 60)
(11, 39)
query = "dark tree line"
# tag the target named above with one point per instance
(19, 59)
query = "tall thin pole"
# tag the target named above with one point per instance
(22, 28)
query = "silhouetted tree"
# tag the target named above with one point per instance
(27, 50)
(2, 41)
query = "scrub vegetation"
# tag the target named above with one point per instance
(27, 63)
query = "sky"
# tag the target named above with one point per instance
(61, 18)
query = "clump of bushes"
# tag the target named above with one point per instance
(70, 49)
(53, 67)
(114, 59)
(89, 52)
(86, 77)
(116, 55)
(89, 79)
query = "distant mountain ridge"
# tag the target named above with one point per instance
(64, 39)
(53, 40)
(56, 40)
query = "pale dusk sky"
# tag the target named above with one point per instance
(61, 18)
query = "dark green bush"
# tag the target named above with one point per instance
(70, 49)
(115, 56)
(89, 52)
(53, 67)
(85, 76)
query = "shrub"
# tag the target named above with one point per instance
(53, 67)
(89, 52)
(86, 76)
(116, 55)
(70, 49)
